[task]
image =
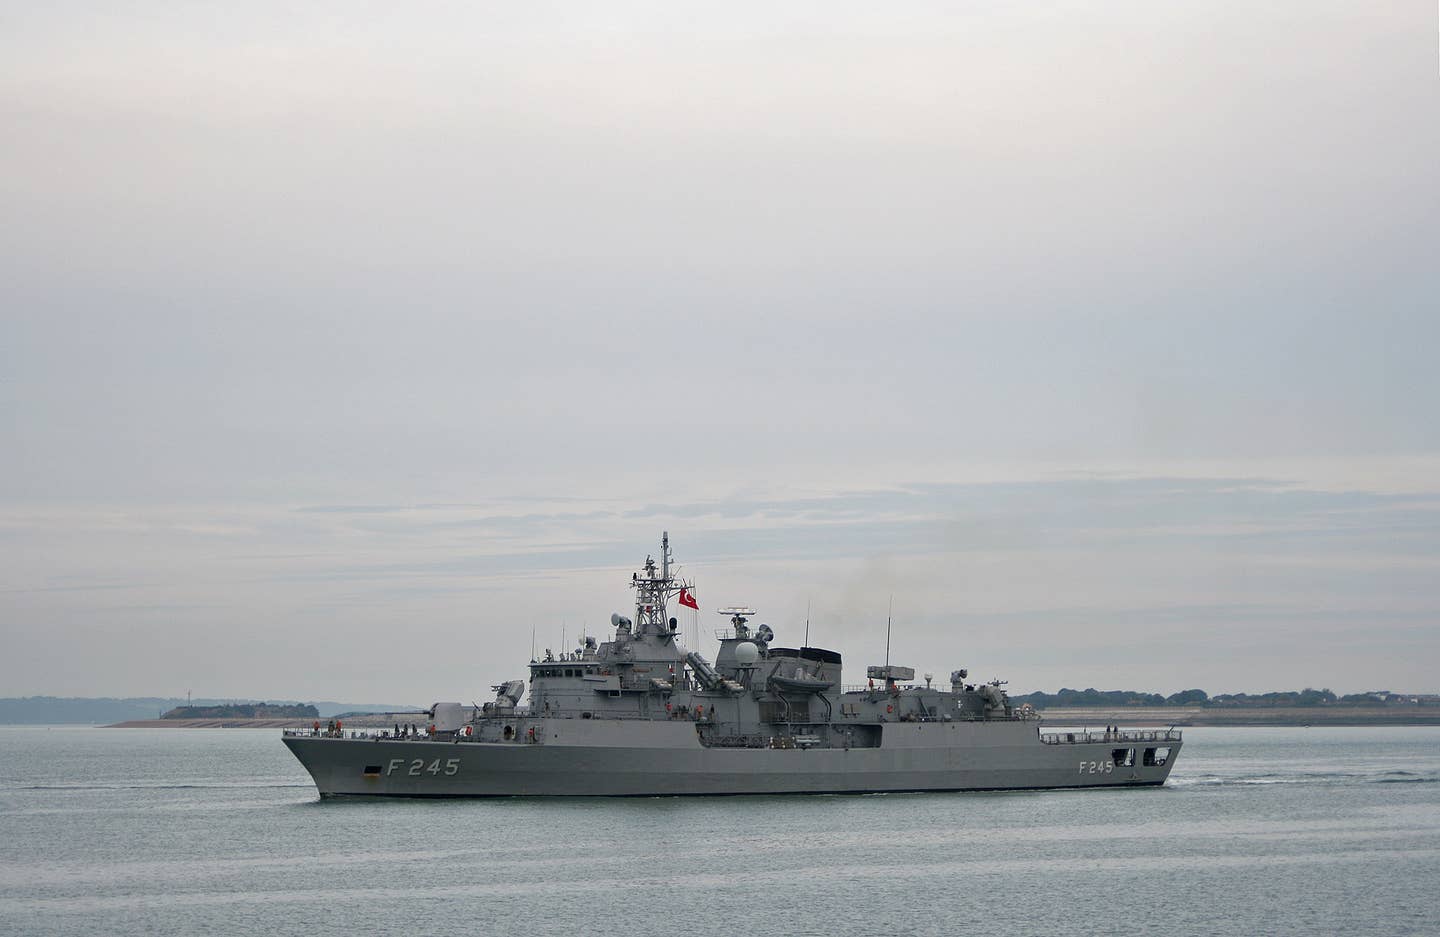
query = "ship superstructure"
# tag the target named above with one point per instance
(640, 714)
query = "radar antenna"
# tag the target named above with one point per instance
(739, 615)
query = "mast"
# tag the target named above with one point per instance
(653, 589)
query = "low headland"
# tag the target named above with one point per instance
(170, 712)
(223, 720)
(253, 716)
(230, 715)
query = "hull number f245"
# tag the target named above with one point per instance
(1095, 767)
(418, 767)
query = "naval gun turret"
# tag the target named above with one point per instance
(449, 717)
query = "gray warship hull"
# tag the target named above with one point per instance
(640, 715)
(615, 759)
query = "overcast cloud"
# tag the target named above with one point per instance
(342, 343)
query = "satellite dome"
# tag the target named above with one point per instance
(746, 654)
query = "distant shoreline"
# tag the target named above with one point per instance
(1065, 716)
(1244, 716)
(110, 710)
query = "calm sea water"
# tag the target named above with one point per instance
(1260, 831)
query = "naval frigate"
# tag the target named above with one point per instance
(641, 715)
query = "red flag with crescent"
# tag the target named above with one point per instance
(688, 600)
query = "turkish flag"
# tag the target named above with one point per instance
(688, 600)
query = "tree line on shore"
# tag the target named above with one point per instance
(245, 711)
(1093, 697)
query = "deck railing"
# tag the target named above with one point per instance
(1124, 735)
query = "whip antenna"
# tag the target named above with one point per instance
(889, 613)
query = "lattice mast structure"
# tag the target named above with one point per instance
(654, 590)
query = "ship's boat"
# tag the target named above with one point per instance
(800, 684)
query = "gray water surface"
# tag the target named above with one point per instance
(1260, 831)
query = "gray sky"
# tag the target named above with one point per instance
(341, 343)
